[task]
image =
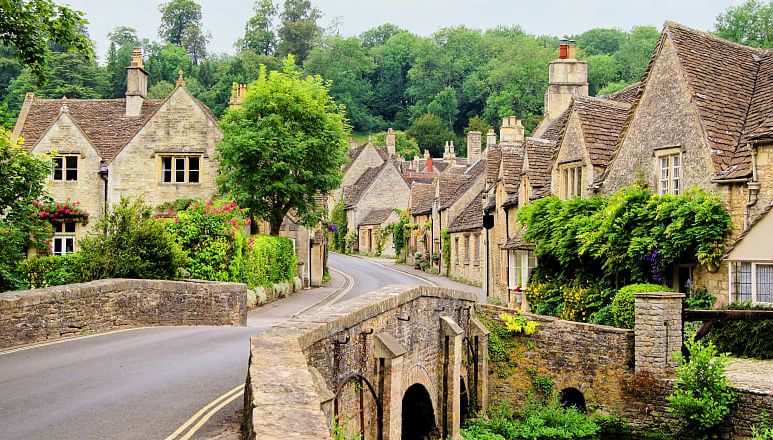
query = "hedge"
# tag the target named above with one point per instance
(623, 307)
(270, 260)
(751, 339)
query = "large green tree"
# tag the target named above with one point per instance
(284, 145)
(31, 26)
(24, 178)
(299, 30)
(181, 25)
(430, 133)
(259, 32)
(750, 23)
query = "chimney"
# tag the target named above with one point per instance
(567, 79)
(352, 144)
(563, 50)
(391, 142)
(429, 164)
(491, 138)
(426, 154)
(136, 85)
(511, 132)
(238, 92)
(572, 50)
(473, 146)
(449, 153)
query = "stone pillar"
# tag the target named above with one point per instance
(391, 142)
(658, 332)
(491, 138)
(479, 372)
(473, 146)
(390, 383)
(451, 367)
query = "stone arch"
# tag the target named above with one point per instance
(572, 397)
(418, 414)
(418, 374)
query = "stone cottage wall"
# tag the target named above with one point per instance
(37, 315)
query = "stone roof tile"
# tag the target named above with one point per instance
(377, 216)
(422, 196)
(470, 218)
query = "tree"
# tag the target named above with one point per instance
(476, 123)
(431, 133)
(602, 70)
(634, 55)
(24, 182)
(122, 41)
(299, 30)
(750, 23)
(346, 64)
(164, 64)
(31, 26)
(378, 36)
(405, 145)
(258, 32)
(123, 36)
(284, 145)
(601, 41)
(445, 106)
(181, 26)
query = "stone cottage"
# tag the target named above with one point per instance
(105, 149)
(699, 120)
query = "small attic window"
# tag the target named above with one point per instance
(65, 169)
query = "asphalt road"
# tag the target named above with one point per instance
(139, 383)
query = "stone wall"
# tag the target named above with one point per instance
(590, 358)
(469, 269)
(393, 338)
(37, 315)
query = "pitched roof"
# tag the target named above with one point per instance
(473, 172)
(627, 95)
(746, 231)
(517, 242)
(512, 162)
(377, 216)
(493, 157)
(355, 153)
(470, 218)
(725, 79)
(539, 152)
(760, 121)
(103, 121)
(448, 184)
(353, 193)
(602, 122)
(554, 130)
(422, 196)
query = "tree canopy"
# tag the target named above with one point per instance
(181, 26)
(750, 23)
(283, 146)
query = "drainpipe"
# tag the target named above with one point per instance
(754, 189)
(103, 173)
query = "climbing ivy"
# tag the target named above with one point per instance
(445, 237)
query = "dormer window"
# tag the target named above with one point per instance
(571, 181)
(669, 174)
(180, 169)
(65, 168)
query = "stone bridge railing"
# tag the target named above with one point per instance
(351, 364)
(37, 315)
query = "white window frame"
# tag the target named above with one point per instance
(521, 264)
(669, 172)
(63, 237)
(64, 168)
(754, 288)
(177, 161)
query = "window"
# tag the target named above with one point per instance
(476, 239)
(456, 250)
(571, 182)
(63, 242)
(467, 249)
(751, 282)
(180, 169)
(521, 264)
(65, 168)
(670, 174)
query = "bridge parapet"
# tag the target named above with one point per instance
(356, 362)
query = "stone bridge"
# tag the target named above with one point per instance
(400, 362)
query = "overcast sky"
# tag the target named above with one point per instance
(225, 19)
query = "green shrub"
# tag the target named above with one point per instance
(702, 396)
(537, 420)
(623, 306)
(445, 250)
(271, 260)
(128, 243)
(763, 431)
(52, 270)
(744, 338)
(699, 299)
(338, 217)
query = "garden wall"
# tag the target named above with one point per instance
(593, 359)
(54, 312)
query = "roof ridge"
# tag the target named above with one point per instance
(670, 23)
(601, 100)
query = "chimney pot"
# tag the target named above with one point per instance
(571, 52)
(563, 49)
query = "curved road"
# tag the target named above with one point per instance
(141, 383)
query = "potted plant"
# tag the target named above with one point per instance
(424, 265)
(417, 260)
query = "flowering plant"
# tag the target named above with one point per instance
(62, 211)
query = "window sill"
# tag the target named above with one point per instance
(178, 184)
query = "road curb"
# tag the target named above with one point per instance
(330, 296)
